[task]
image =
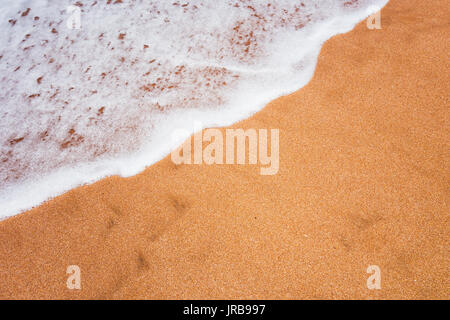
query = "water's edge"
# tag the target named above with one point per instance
(25, 196)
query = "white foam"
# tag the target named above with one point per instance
(80, 105)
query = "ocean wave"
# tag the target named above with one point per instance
(91, 89)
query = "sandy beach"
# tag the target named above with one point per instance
(363, 180)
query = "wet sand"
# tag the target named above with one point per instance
(363, 180)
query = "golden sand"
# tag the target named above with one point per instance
(363, 180)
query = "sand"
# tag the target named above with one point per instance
(363, 180)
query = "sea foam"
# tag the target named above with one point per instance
(100, 96)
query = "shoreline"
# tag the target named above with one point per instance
(60, 179)
(363, 180)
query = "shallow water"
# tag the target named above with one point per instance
(97, 89)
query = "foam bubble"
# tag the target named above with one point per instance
(82, 104)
